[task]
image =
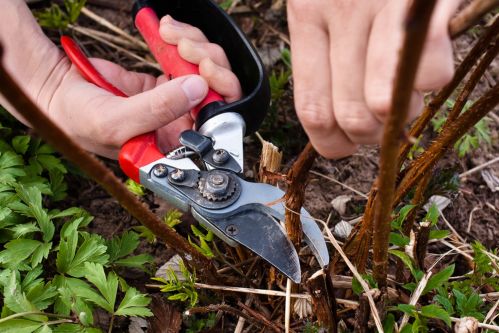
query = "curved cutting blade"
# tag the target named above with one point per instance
(257, 230)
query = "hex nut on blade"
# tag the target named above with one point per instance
(220, 156)
(160, 170)
(177, 175)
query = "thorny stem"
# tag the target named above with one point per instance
(446, 139)
(295, 194)
(490, 53)
(102, 175)
(470, 15)
(461, 71)
(416, 29)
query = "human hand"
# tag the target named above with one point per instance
(102, 122)
(344, 57)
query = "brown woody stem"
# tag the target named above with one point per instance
(446, 139)
(295, 194)
(102, 175)
(416, 28)
(437, 102)
(491, 51)
(470, 15)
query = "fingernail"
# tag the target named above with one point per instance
(170, 20)
(194, 88)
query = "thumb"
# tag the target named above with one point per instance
(163, 104)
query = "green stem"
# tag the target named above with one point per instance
(29, 313)
(111, 324)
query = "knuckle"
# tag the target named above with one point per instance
(162, 108)
(355, 119)
(315, 112)
(217, 52)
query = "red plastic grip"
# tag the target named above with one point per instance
(136, 152)
(87, 70)
(167, 55)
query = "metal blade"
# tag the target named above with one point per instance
(258, 231)
(269, 196)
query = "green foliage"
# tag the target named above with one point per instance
(478, 135)
(357, 288)
(56, 17)
(132, 304)
(120, 249)
(203, 239)
(278, 82)
(135, 187)
(51, 268)
(172, 218)
(225, 5)
(196, 324)
(183, 290)
(420, 317)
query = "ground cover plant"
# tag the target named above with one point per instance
(414, 250)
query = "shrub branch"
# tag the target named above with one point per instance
(416, 28)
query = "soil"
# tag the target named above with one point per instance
(474, 208)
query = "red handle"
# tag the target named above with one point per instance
(167, 55)
(136, 152)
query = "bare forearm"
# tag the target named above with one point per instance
(34, 61)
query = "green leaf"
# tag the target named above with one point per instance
(134, 304)
(445, 302)
(42, 252)
(402, 215)
(406, 260)
(14, 298)
(58, 186)
(407, 308)
(139, 261)
(21, 143)
(44, 329)
(434, 311)
(31, 206)
(120, 247)
(439, 234)
(145, 233)
(438, 279)
(71, 259)
(135, 188)
(17, 251)
(398, 239)
(389, 323)
(432, 215)
(10, 166)
(172, 218)
(42, 295)
(21, 230)
(108, 287)
(19, 326)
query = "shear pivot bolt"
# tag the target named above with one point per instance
(232, 230)
(220, 156)
(178, 175)
(160, 170)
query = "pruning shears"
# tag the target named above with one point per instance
(213, 190)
